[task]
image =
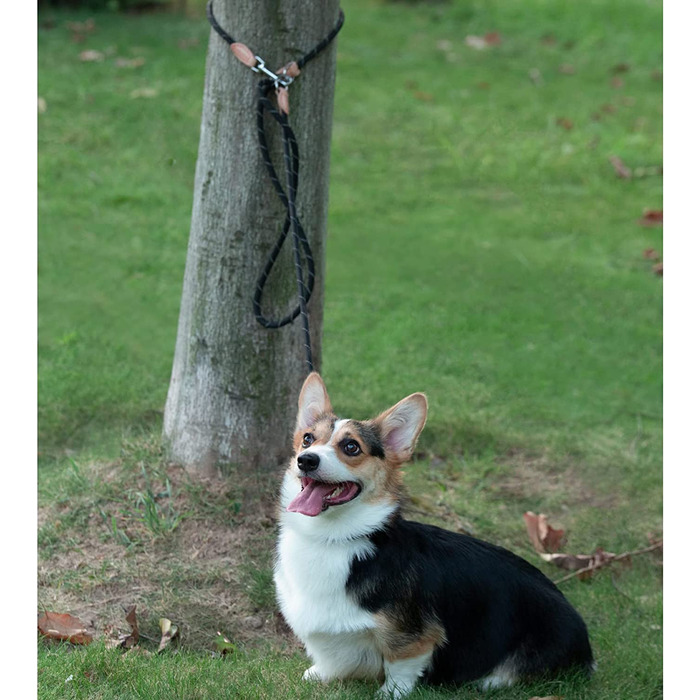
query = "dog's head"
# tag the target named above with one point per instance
(343, 466)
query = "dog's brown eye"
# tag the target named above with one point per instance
(351, 448)
(307, 440)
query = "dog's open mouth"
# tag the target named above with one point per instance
(316, 496)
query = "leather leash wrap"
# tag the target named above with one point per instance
(279, 81)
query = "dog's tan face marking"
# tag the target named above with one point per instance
(321, 431)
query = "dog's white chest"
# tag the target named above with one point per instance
(310, 577)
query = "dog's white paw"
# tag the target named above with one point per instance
(393, 691)
(312, 674)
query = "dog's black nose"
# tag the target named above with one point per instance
(308, 461)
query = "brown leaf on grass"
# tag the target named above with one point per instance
(143, 92)
(86, 27)
(124, 641)
(652, 217)
(565, 123)
(91, 56)
(132, 639)
(651, 254)
(168, 632)
(655, 539)
(620, 68)
(548, 40)
(80, 30)
(620, 168)
(567, 69)
(65, 627)
(424, 96)
(187, 43)
(129, 62)
(543, 536)
(536, 76)
(617, 82)
(479, 43)
(579, 562)
(658, 269)
(476, 42)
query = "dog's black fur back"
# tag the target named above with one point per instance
(494, 606)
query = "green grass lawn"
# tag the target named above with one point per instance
(481, 249)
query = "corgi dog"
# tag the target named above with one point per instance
(374, 596)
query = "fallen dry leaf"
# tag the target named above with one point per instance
(129, 62)
(187, 43)
(125, 641)
(86, 27)
(620, 168)
(476, 42)
(565, 123)
(168, 632)
(548, 40)
(658, 269)
(536, 76)
(132, 639)
(655, 539)
(620, 68)
(479, 43)
(617, 82)
(652, 217)
(543, 536)
(651, 254)
(423, 96)
(143, 92)
(579, 562)
(567, 69)
(91, 55)
(65, 627)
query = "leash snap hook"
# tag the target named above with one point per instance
(281, 80)
(260, 67)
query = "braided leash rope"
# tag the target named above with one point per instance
(279, 81)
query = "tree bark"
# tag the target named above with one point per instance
(232, 395)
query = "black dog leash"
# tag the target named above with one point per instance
(280, 82)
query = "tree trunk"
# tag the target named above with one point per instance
(232, 396)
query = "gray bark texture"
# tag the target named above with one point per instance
(233, 391)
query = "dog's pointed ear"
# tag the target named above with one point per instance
(401, 425)
(313, 401)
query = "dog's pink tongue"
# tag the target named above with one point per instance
(310, 499)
